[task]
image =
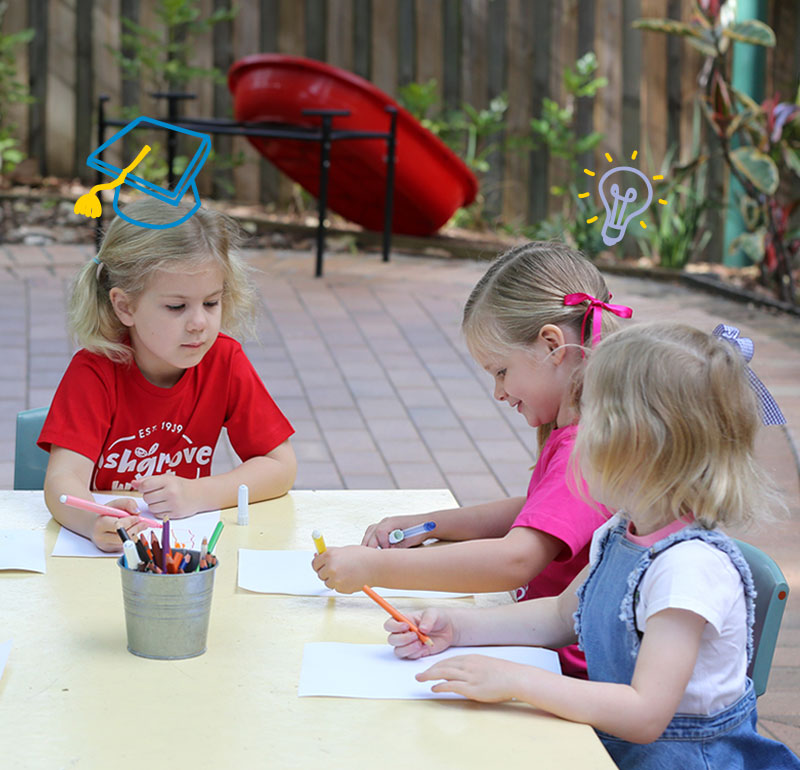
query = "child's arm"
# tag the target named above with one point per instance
(476, 566)
(474, 522)
(638, 712)
(268, 476)
(69, 473)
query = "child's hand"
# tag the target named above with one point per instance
(478, 677)
(344, 569)
(167, 495)
(104, 531)
(433, 623)
(377, 535)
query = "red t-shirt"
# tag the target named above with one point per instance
(131, 428)
(551, 507)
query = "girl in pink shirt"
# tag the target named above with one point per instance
(526, 322)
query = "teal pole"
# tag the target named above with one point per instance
(747, 75)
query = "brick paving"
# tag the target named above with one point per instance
(369, 365)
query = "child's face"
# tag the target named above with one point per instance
(532, 381)
(174, 322)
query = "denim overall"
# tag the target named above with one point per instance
(606, 628)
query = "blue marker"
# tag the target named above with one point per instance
(398, 535)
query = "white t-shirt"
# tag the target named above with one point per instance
(696, 576)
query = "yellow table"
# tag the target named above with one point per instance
(72, 696)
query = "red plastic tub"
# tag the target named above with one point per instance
(431, 182)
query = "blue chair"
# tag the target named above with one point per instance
(772, 591)
(30, 462)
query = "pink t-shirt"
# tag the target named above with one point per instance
(551, 507)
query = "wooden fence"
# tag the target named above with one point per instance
(474, 49)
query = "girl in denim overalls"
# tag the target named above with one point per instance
(664, 611)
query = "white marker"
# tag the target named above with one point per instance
(131, 556)
(243, 511)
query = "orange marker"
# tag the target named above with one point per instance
(397, 615)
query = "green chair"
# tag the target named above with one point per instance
(772, 591)
(30, 462)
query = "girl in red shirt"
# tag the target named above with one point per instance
(142, 404)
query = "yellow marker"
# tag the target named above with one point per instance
(319, 541)
(88, 205)
(593, 219)
(584, 195)
(609, 158)
(641, 222)
(635, 153)
(586, 171)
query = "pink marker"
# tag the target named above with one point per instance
(105, 510)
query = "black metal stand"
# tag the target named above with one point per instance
(325, 135)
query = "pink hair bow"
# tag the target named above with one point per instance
(596, 308)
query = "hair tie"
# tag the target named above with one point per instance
(99, 264)
(596, 308)
(771, 413)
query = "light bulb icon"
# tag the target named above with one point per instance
(621, 208)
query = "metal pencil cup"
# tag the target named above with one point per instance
(167, 616)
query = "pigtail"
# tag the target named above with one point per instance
(91, 321)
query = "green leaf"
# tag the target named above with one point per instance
(704, 46)
(741, 118)
(756, 167)
(792, 159)
(751, 31)
(751, 212)
(668, 26)
(752, 244)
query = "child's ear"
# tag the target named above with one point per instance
(123, 307)
(553, 337)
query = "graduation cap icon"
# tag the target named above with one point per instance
(89, 204)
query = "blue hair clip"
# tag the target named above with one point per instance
(770, 411)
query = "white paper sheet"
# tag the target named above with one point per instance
(22, 549)
(290, 572)
(5, 649)
(374, 671)
(190, 532)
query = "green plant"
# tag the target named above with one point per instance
(555, 130)
(760, 143)
(677, 231)
(158, 58)
(12, 91)
(471, 133)
(422, 101)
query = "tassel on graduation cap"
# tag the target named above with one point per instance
(88, 205)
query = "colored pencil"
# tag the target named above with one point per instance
(215, 536)
(165, 554)
(156, 546)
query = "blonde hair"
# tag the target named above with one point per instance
(522, 291)
(668, 423)
(131, 254)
